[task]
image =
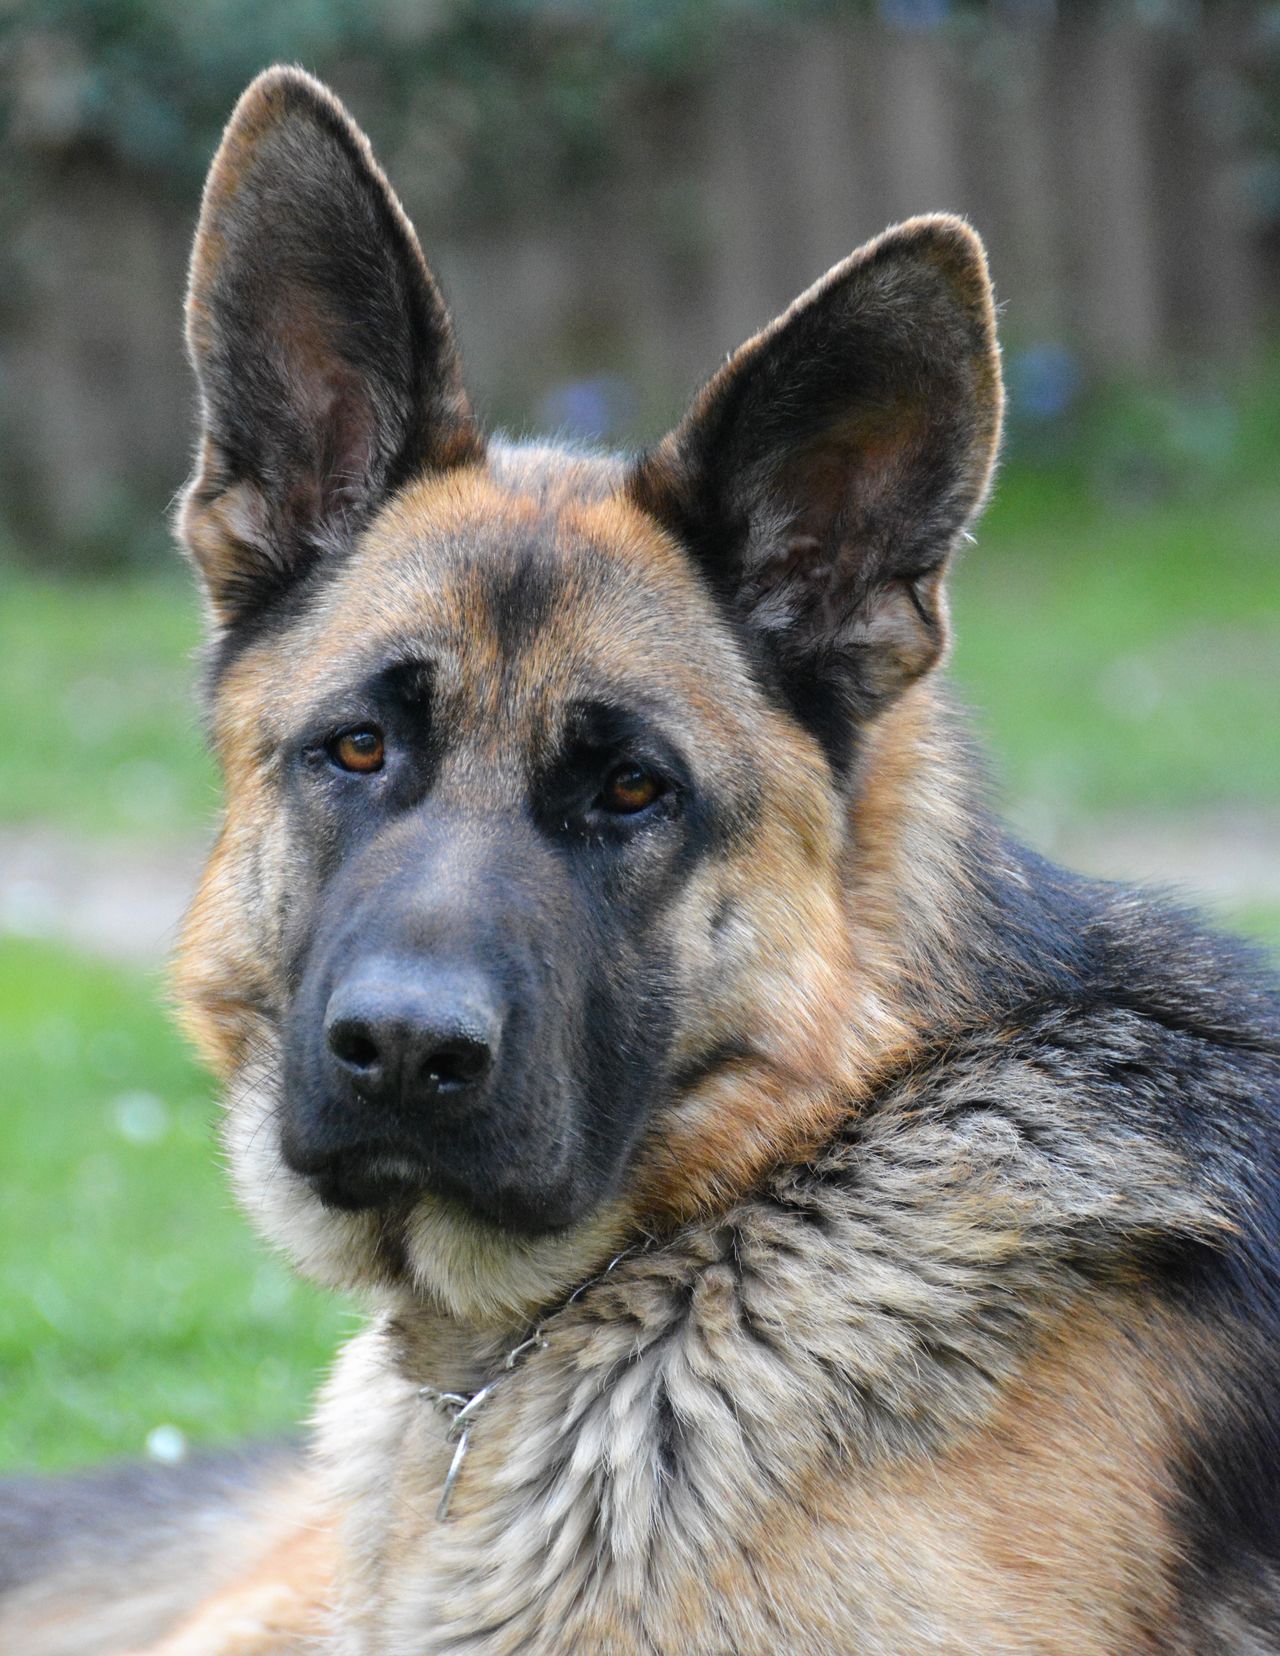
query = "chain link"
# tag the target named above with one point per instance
(462, 1409)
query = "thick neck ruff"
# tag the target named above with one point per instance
(879, 1294)
(857, 1318)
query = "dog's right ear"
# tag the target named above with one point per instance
(324, 353)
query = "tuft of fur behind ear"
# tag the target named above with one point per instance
(824, 475)
(325, 357)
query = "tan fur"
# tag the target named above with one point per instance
(862, 1356)
(282, 1603)
(994, 1506)
(778, 976)
(271, 1567)
(1050, 1533)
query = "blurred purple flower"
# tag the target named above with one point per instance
(1043, 381)
(915, 14)
(595, 410)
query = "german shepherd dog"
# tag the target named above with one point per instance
(797, 1217)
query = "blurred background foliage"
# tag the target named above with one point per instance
(519, 91)
(615, 194)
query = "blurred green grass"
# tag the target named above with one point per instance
(133, 1294)
(1118, 639)
(1125, 659)
(96, 690)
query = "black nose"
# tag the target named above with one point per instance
(402, 1033)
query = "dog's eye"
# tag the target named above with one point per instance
(362, 750)
(629, 788)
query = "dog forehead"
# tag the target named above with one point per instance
(516, 592)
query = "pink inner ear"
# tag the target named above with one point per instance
(348, 451)
(333, 474)
(331, 411)
(829, 574)
(843, 487)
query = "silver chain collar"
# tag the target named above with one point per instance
(462, 1410)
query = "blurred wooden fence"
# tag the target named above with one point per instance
(1116, 172)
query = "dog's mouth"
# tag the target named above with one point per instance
(373, 1178)
(388, 1180)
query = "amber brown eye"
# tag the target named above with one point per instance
(360, 750)
(628, 789)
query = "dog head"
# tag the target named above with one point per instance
(530, 918)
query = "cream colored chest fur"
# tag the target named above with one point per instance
(872, 1411)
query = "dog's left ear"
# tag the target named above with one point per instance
(324, 353)
(823, 476)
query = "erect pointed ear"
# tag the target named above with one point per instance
(324, 354)
(823, 476)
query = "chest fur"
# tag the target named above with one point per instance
(888, 1404)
